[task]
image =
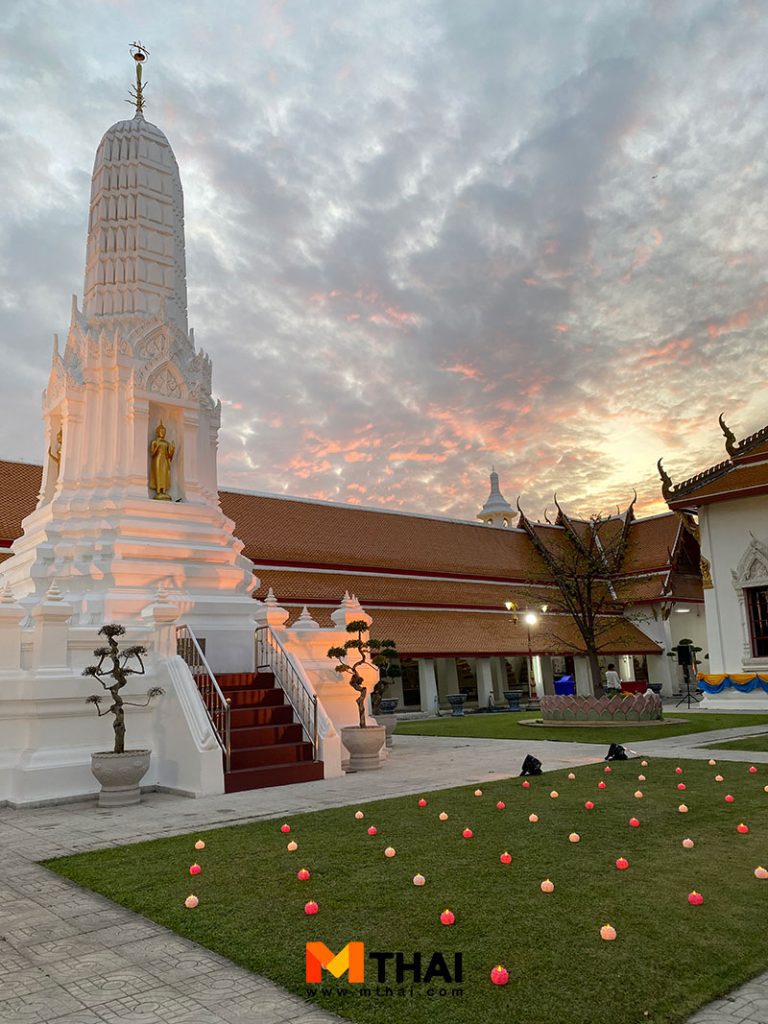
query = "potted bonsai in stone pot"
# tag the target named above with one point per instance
(119, 771)
(364, 741)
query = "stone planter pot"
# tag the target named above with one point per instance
(120, 775)
(388, 705)
(388, 723)
(364, 746)
(457, 702)
(513, 699)
(656, 687)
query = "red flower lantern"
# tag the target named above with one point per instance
(191, 902)
(526, 784)
(634, 823)
(302, 874)
(195, 869)
(422, 802)
(752, 769)
(608, 933)
(285, 828)
(447, 917)
(589, 805)
(728, 798)
(742, 828)
(695, 898)
(681, 785)
(678, 771)
(311, 907)
(601, 785)
(506, 858)
(499, 975)
(468, 833)
(622, 863)
(500, 805)
(372, 831)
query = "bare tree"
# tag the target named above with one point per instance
(585, 559)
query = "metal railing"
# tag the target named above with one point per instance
(272, 656)
(214, 701)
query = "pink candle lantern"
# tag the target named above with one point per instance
(191, 902)
(547, 886)
(500, 805)
(718, 778)
(526, 784)
(589, 805)
(422, 802)
(638, 794)
(285, 828)
(643, 764)
(311, 907)
(607, 769)
(447, 917)
(728, 798)
(419, 880)
(634, 823)
(760, 872)
(752, 769)
(742, 828)
(622, 863)
(506, 858)
(533, 818)
(641, 778)
(292, 846)
(682, 809)
(678, 771)
(499, 975)
(478, 792)
(199, 845)
(571, 776)
(195, 869)
(443, 816)
(711, 762)
(468, 833)
(372, 831)
(608, 933)
(695, 898)
(688, 844)
(359, 815)
(681, 785)
(601, 785)
(765, 789)
(302, 874)
(390, 851)
(574, 837)
(554, 794)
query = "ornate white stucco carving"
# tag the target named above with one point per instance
(752, 571)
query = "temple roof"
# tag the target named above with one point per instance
(743, 474)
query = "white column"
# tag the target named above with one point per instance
(484, 681)
(583, 677)
(51, 615)
(626, 667)
(427, 685)
(11, 616)
(447, 676)
(499, 680)
(538, 678)
(547, 674)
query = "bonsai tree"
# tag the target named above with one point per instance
(119, 673)
(379, 653)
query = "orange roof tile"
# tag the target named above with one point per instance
(484, 634)
(19, 488)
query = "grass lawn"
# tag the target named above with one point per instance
(747, 743)
(669, 957)
(506, 726)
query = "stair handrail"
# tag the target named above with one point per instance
(216, 705)
(271, 655)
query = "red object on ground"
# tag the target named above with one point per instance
(634, 686)
(607, 769)
(500, 805)
(302, 875)
(499, 975)
(372, 831)
(681, 785)
(447, 917)
(506, 858)
(695, 898)
(678, 771)
(634, 823)
(195, 869)
(601, 785)
(422, 802)
(526, 784)
(589, 805)
(467, 833)
(729, 799)
(742, 828)
(622, 863)
(752, 769)
(285, 828)
(311, 907)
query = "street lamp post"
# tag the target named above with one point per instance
(530, 619)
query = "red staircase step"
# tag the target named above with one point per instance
(251, 698)
(245, 680)
(266, 735)
(278, 753)
(275, 775)
(279, 714)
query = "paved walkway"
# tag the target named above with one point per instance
(68, 956)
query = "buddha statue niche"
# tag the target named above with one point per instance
(161, 452)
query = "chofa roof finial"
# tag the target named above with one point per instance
(730, 438)
(666, 480)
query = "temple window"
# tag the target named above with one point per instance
(757, 602)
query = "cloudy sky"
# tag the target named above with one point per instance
(423, 236)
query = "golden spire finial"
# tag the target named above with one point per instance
(139, 54)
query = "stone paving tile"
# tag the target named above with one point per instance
(160, 1005)
(38, 1007)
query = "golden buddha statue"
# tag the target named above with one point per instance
(161, 453)
(56, 454)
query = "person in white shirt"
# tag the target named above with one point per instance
(612, 680)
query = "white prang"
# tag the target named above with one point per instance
(129, 363)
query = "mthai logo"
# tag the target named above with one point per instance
(351, 959)
(407, 967)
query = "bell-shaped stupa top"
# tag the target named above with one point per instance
(135, 254)
(496, 511)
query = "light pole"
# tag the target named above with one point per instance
(530, 618)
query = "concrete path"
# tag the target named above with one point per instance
(68, 956)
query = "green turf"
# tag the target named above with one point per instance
(747, 743)
(507, 726)
(669, 958)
